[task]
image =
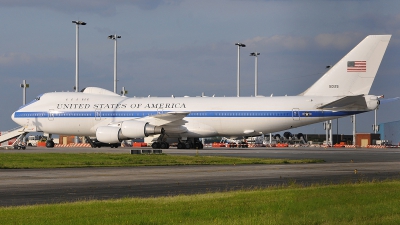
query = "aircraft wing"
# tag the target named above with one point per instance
(347, 101)
(175, 118)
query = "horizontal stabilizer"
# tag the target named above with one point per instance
(356, 100)
(383, 101)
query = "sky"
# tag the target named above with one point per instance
(187, 47)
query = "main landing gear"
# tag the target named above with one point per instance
(160, 143)
(190, 144)
(195, 143)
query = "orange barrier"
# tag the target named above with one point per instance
(218, 145)
(282, 145)
(41, 144)
(139, 144)
(339, 145)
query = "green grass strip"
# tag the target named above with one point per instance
(60, 160)
(364, 203)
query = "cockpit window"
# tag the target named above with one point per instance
(33, 101)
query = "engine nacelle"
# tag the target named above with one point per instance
(108, 134)
(372, 102)
(139, 129)
(126, 130)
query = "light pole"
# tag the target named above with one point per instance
(375, 127)
(256, 54)
(330, 133)
(238, 67)
(115, 37)
(24, 85)
(77, 53)
(353, 120)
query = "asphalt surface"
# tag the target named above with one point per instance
(38, 186)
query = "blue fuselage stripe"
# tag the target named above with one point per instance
(223, 114)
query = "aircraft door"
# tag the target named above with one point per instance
(51, 115)
(97, 115)
(160, 110)
(295, 114)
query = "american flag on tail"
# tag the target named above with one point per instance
(357, 66)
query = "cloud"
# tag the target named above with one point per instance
(279, 42)
(14, 58)
(102, 7)
(340, 41)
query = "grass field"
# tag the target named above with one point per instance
(59, 160)
(363, 203)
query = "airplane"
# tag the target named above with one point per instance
(111, 118)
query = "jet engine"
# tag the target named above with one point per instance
(126, 130)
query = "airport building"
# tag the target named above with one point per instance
(390, 132)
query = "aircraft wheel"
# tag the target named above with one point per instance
(156, 145)
(164, 145)
(189, 145)
(49, 144)
(181, 145)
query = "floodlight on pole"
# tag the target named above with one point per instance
(124, 91)
(115, 37)
(77, 54)
(256, 54)
(24, 85)
(238, 67)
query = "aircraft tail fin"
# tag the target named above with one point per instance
(355, 72)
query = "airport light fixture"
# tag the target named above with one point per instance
(238, 67)
(24, 85)
(115, 37)
(77, 53)
(124, 91)
(256, 54)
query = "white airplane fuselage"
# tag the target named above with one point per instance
(82, 113)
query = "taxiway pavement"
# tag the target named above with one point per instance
(37, 186)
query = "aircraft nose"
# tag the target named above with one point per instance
(12, 116)
(17, 120)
